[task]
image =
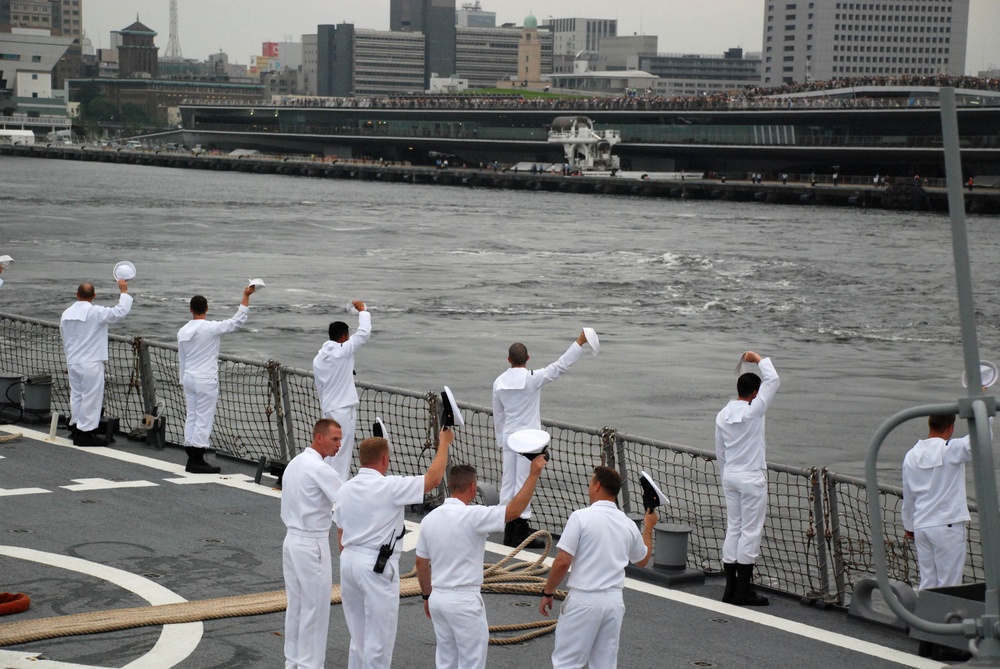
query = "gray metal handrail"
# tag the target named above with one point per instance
(976, 409)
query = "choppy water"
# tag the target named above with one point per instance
(856, 308)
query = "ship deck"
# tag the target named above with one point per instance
(92, 529)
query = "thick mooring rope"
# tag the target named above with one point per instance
(518, 578)
(10, 437)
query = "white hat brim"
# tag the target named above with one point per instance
(656, 488)
(124, 271)
(528, 441)
(593, 340)
(455, 411)
(988, 373)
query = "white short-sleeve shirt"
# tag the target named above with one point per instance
(602, 541)
(370, 507)
(453, 537)
(309, 490)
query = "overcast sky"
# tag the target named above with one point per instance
(238, 27)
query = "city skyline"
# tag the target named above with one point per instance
(245, 24)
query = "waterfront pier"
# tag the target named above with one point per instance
(817, 190)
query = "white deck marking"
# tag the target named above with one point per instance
(176, 642)
(82, 485)
(22, 491)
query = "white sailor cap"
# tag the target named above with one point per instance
(529, 442)
(592, 339)
(124, 270)
(987, 371)
(258, 284)
(451, 415)
(5, 260)
(652, 496)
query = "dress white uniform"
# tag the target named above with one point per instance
(453, 538)
(84, 328)
(333, 368)
(739, 447)
(309, 490)
(369, 514)
(517, 397)
(602, 541)
(935, 507)
(198, 351)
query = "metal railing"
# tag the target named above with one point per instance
(816, 541)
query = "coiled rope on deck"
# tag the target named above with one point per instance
(518, 578)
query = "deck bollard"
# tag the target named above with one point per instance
(670, 541)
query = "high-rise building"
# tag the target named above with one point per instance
(472, 15)
(831, 39)
(485, 56)
(435, 19)
(577, 37)
(36, 14)
(359, 62)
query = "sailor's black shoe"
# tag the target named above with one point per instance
(196, 462)
(92, 438)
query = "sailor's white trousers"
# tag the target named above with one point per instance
(86, 394)
(371, 607)
(588, 630)
(305, 562)
(746, 509)
(202, 396)
(460, 627)
(941, 555)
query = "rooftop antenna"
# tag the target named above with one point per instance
(174, 45)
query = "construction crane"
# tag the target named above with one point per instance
(174, 45)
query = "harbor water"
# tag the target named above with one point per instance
(856, 307)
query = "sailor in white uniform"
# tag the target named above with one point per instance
(517, 395)
(84, 328)
(598, 542)
(198, 352)
(450, 555)
(369, 516)
(740, 452)
(309, 491)
(935, 507)
(333, 368)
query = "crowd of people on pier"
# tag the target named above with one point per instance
(748, 97)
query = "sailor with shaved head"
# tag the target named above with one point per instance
(84, 328)
(517, 396)
(450, 555)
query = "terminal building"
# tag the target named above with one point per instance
(821, 40)
(687, 75)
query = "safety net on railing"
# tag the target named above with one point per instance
(268, 410)
(789, 556)
(850, 535)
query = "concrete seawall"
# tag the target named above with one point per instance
(901, 197)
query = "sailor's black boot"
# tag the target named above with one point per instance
(745, 594)
(196, 462)
(730, 569)
(92, 438)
